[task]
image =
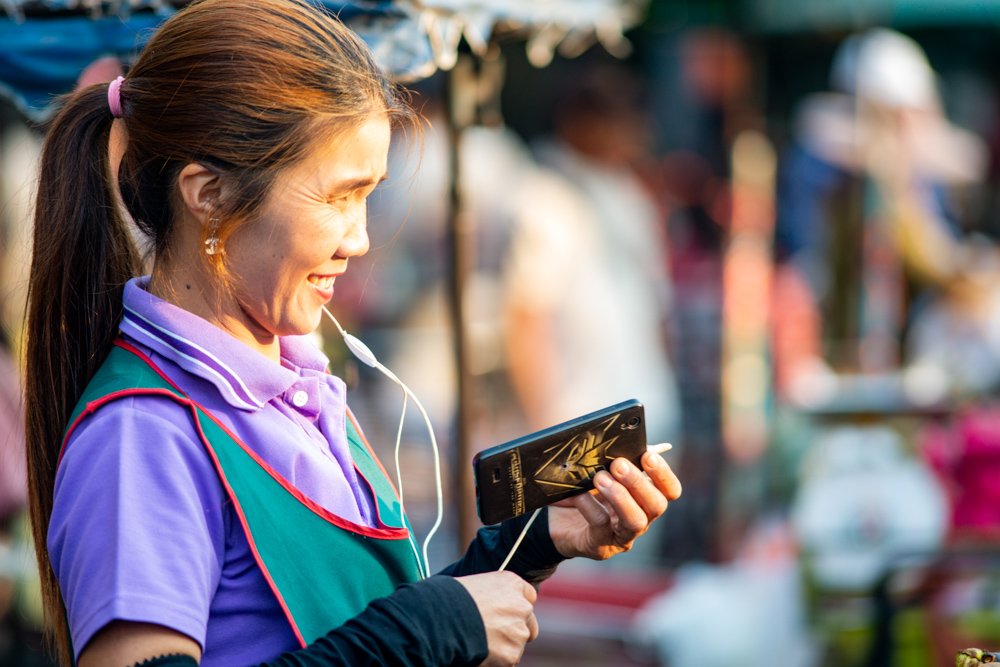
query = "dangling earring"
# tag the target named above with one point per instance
(212, 243)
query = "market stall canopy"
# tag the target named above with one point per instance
(45, 45)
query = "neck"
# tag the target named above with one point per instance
(192, 289)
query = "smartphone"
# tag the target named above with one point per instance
(544, 467)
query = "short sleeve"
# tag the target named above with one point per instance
(552, 233)
(138, 526)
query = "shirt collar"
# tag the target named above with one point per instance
(245, 378)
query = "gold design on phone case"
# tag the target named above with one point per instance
(574, 462)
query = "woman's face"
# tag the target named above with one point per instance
(284, 264)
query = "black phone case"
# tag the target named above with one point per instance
(544, 467)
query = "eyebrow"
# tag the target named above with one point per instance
(356, 184)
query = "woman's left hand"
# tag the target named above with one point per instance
(624, 502)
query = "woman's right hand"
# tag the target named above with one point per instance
(506, 603)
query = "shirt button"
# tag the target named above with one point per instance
(300, 398)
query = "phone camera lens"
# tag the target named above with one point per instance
(632, 423)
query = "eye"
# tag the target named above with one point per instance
(348, 198)
(339, 201)
(356, 195)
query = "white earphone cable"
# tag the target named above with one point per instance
(517, 543)
(399, 439)
(365, 355)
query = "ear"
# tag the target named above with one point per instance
(200, 190)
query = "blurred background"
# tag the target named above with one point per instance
(774, 222)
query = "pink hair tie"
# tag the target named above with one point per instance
(115, 97)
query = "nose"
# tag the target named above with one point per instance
(355, 242)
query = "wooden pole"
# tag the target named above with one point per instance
(461, 97)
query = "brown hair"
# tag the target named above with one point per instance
(244, 88)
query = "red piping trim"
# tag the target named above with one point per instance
(92, 407)
(195, 408)
(371, 488)
(246, 526)
(386, 533)
(187, 402)
(125, 345)
(383, 532)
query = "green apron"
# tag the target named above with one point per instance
(322, 569)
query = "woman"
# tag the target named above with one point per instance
(199, 491)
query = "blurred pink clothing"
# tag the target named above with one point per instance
(13, 470)
(966, 455)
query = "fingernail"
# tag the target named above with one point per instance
(622, 467)
(603, 482)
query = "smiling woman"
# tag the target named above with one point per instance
(282, 267)
(200, 492)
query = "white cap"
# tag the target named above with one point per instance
(885, 67)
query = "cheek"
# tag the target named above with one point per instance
(277, 259)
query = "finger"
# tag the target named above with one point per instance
(652, 501)
(530, 594)
(591, 507)
(532, 627)
(662, 476)
(518, 584)
(632, 519)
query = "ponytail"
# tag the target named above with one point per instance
(82, 256)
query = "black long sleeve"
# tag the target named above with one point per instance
(430, 622)
(535, 560)
(434, 621)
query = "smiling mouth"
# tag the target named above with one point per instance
(324, 283)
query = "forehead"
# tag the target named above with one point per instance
(358, 152)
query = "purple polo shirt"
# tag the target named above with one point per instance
(142, 530)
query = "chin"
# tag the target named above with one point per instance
(305, 325)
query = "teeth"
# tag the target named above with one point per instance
(324, 283)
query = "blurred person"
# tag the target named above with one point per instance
(21, 615)
(199, 489)
(954, 341)
(20, 625)
(956, 330)
(20, 631)
(701, 85)
(864, 207)
(588, 292)
(13, 474)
